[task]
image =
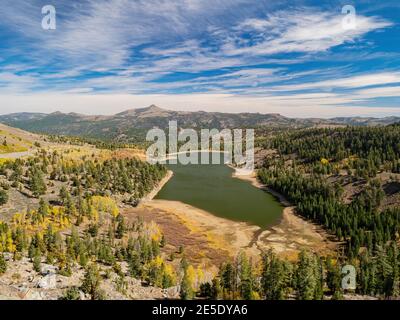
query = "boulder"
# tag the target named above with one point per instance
(82, 295)
(8, 256)
(48, 282)
(172, 291)
(47, 269)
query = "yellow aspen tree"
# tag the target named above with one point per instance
(9, 243)
(192, 277)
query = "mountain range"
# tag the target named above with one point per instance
(132, 125)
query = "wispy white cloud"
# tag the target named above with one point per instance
(306, 30)
(13, 83)
(379, 92)
(106, 32)
(365, 80)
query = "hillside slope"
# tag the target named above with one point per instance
(13, 140)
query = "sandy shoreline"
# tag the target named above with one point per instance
(175, 155)
(252, 178)
(156, 190)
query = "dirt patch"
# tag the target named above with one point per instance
(17, 202)
(208, 240)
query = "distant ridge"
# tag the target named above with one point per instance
(132, 124)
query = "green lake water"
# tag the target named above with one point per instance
(212, 188)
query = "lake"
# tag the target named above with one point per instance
(212, 188)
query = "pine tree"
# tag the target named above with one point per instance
(43, 209)
(245, 277)
(121, 228)
(3, 197)
(385, 271)
(3, 264)
(395, 281)
(227, 279)
(50, 238)
(91, 283)
(37, 261)
(186, 291)
(135, 267)
(334, 278)
(63, 194)
(276, 277)
(215, 289)
(71, 294)
(306, 277)
(205, 290)
(36, 183)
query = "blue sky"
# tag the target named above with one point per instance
(288, 57)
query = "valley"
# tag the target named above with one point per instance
(91, 209)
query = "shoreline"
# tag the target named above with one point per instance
(252, 178)
(158, 188)
(175, 155)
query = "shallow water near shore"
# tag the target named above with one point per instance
(212, 188)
